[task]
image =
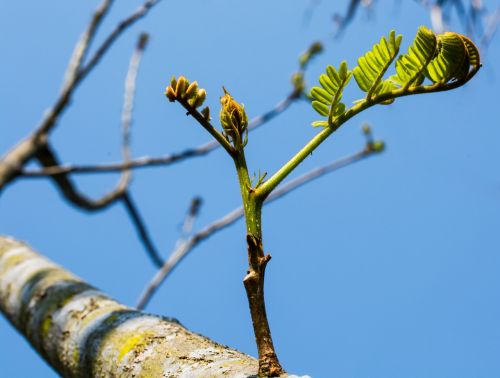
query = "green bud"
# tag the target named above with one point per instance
(198, 99)
(192, 90)
(378, 146)
(310, 53)
(182, 84)
(169, 92)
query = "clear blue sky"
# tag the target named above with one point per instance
(389, 268)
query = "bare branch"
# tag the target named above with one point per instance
(129, 94)
(128, 106)
(73, 74)
(122, 26)
(66, 186)
(145, 162)
(141, 229)
(82, 46)
(191, 215)
(181, 251)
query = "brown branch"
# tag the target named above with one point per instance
(181, 251)
(82, 46)
(120, 28)
(73, 73)
(67, 187)
(128, 107)
(269, 365)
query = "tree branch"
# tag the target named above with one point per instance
(141, 229)
(66, 186)
(82, 332)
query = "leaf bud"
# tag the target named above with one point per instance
(170, 94)
(192, 90)
(233, 117)
(182, 84)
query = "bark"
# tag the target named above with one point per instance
(254, 285)
(81, 332)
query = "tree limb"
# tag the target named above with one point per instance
(81, 332)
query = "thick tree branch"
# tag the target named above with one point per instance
(81, 332)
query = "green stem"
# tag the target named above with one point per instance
(208, 126)
(268, 186)
(269, 365)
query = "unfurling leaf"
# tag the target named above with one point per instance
(410, 66)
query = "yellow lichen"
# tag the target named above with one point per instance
(76, 356)
(129, 342)
(45, 326)
(12, 261)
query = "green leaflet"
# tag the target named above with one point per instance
(326, 99)
(373, 65)
(410, 67)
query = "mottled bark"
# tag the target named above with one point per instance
(81, 332)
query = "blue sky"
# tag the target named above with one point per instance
(388, 268)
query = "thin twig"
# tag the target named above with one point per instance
(128, 107)
(73, 75)
(181, 251)
(120, 28)
(145, 162)
(190, 218)
(81, 48)
(140, 226)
